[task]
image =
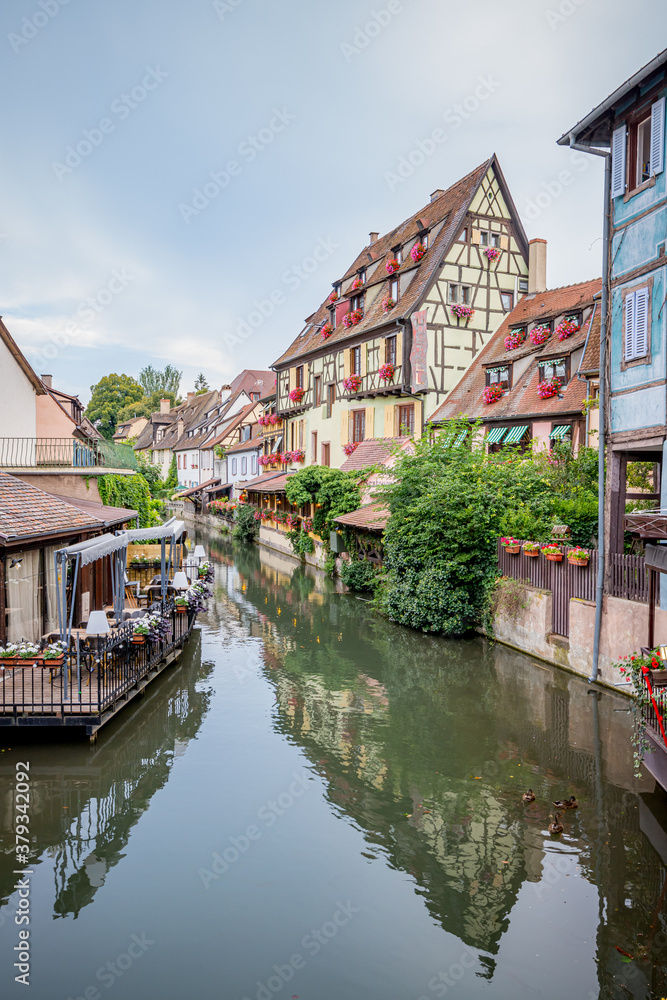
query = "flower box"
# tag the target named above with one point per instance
(511, 545)
(578, 557)
(577, 562)
(531, 549)
(492, 253)
(181, 609)
(392, 265)
(333, 297)
(462, 312)
(492, 393)
(352, 318)
(388, 304)
(386, 372)
(548, 388)
(553, 553)
(357, 283)
(296, 395)
(417, 252)
(514, 339)
(352, 383)
(540, 334)
(326, 331)
(55, 661)
(566, 329)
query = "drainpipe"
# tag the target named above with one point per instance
(604, 305)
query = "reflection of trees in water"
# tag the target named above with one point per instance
(402, 723)
(84, 807)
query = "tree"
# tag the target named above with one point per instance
(171, 482)
(144, 407)
(161, 383)
(201, 385)
(108, 398)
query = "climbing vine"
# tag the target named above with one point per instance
(131, 492)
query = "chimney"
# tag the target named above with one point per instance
(437, 194)
(47, 380)
(165, 405)
(374, 237)
(191, 395)
(537, 266)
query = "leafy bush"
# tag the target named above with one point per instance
(331, 491)
(359, 575)
(246, 528)
(131, 492)
(301, 542)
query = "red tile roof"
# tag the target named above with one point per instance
(26, 511)
(372, 517)
(373, 451)
(108, 516)
(197, 489)
(255, 442)
(270, 482)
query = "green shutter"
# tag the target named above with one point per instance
(560, 432)
(496, 434)
(515, 434)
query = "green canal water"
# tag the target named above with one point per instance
(317, 804)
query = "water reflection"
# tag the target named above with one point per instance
(86, 800)
(426, 746)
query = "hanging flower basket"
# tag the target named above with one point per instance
(514, 339)
(352, 318)
(492, 253)
(531, 549)
(462, 312)
(326, 331)
(352, 383)
(296, 395)
(492, 393)
(386, 372)
(548, 388)
(357, 283)
(540, 334)
(262, 421)
(392, 265)
(511, 545)
(333, 297)
(553, 553)
(351, 447)
(566, 329)
(417, 251)
(388, 304)
(578, 556)
(274, 419)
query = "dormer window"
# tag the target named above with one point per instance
(500, 377)
(357, 302)
(423, 239)
(397, 253)
(393, 289)
(362, 275)
(555, 368)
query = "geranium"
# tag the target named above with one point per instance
(307, 523)
(352, 318)
(514, 339)
(550, 387)
(463, 312)
(581, 555)
(552, 550)
(357, 283)
(388, 304)
(386, 372)
(540, 334)
(509, 541)
(296, 395)
(492, 253)
(274, 419)
(298, 456)
(54, 650)
(326, 331)
(262, 421)
(566, 329)
(333, 297)
(417, 252)
(392, 265)
(352, 383)
(492, 393)
(531, 547)
(349, 448)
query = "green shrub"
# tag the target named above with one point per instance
(301, 542)
(246, 528)
(359, 575)
(131, 492)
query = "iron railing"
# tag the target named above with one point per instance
(64, 453)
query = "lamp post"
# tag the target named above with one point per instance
(96, 627)
(199, 553)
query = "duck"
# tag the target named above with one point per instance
(556, 826)
(528, 796)
(570, 803)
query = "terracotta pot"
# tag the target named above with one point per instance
(138, 640)
(17, 661)
(58, 662)
(512, 549)
(658, 677)
(8, 661)
(181, 609)
(554, 558)
(577, 562)
(533, 555)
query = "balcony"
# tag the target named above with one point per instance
(60, 454)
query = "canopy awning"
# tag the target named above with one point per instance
(95, 548)
(171, 529)
(516, 434)
(495, 435)
(460, 439)
(559, 432)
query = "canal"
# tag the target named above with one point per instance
(317, 804)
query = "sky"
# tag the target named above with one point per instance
(183, 181)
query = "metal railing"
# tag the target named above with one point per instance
(64, 453)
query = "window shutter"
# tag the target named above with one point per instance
(474, 237)
(370, 422)
(504, 243)
(618, 143)
(629, 326)
(389, 420)
(641, 323)
(345, 427)
(658, 136)
(347, 363)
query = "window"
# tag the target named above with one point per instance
(423, 239)
(406, 420)
(358, 425)
(331, 398)
(299, 377)
(245, 433)
(488, 239)
(555, 368)
(507, 299)
(313, 446)
(362, 275)
(523, 286)
(179, 461)
(459, 294)
(332, 317)
(244, 466)
(499, 377)
(338, 288)
(233, 466)
(355, 361)
(357, 302)
(317, 388)
(397, 252)
(636, 320)
(390, 351)
(393, 289)
(464, 235)
(254, 396)
(253, 465)
(637, 150)
(326, 454)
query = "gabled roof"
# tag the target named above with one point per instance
(267, 482)
(197, 489)
(26, 512)
(234, 423)
(372, 451)
(21, 360)
(371, 517)
(466, 398)
(253, 380)
(108, 517)
(251, 445)
(444, 215)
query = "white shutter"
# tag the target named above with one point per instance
(629, 326)
(641, 323)
(658, 136)
(618, 144)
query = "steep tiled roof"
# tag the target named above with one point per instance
(225, 429)
(26, 511)
(466, 398)
(590, 363)
(373, 451)
(271, 482)
(197, 489)
(108, 516)
(372, 517)
(253, 380)
(255, 442)
(446, 212)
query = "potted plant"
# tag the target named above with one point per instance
(181, 605)
(333, 297)
(139, 633)
(492, 393)
(388, 304)
(553, 553)
(386, 372)
(357, 283)
(349, 448)
(352, 318)
(462, 312)
(9, 655)
(567, 328)
(417, 252)
(548, 388)
(326, 331)
(352, 383)
(514, 339)
(296, 395)
(492, 253)
(540, 334)
(392, 265)
(578, 556)
(511, 545)
(531, 549)
(53, 654)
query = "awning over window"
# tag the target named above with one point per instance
(460, 439)
(495, 435)
(516, 434)
(558, 433)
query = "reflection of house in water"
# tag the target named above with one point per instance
(83, 810)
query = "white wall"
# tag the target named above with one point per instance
(18, 409)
